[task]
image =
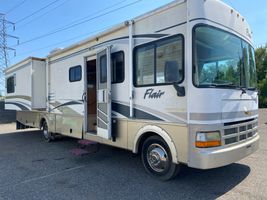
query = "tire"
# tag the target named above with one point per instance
(48, 136)
(18, 125)
(157, 159)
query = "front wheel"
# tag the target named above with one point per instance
(157, 159)
(48, 136)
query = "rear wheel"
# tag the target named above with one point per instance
(48, 136)
(157, 159)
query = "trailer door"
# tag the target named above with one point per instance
(104, 94)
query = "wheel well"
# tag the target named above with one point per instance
(143, 138)
(42, 122)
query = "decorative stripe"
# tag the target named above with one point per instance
(22, 107)
(164, 29)
(69, 103)
(138, 114)
(221, 116)
(28, 98)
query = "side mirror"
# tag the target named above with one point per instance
(179, 89)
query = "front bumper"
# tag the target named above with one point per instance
(221, 156)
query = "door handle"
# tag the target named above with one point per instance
(84, 99)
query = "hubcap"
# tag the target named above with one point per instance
(45, 132)
(157, 157)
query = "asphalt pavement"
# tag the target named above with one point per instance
(33, 169)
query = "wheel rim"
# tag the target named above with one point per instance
(157, 158)
(45, 132)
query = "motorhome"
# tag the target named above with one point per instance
(177, 85)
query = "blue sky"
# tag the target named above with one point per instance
(63, 12)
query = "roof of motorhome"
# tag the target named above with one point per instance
(117, 27)
(23, 62)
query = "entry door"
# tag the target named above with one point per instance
(104, 94)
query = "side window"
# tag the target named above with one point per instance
(75, 73)
(144, 60)
(103, 69)
(160, 62)
(10, 84)
(117, 70)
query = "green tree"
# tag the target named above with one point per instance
(261, 63)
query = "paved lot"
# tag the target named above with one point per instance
(33, 169)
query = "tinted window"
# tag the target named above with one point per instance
(103, 69)
(10, 84)
(117, 72)
(159, 62)
(75, 73)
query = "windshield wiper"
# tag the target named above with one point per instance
(229, 85)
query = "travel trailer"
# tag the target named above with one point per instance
(177, 85)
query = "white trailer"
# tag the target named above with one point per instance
(177, 85)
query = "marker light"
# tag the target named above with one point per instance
(208, 139)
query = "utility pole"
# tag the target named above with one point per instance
(4, 48)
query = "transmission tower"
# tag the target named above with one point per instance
(4, 48)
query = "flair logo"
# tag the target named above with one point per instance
(150, 94)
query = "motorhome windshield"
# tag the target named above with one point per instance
(222, 60)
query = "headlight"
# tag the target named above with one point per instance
(208, 139)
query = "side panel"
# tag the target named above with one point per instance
(20, 99)
(38, 85)
(29, 118)
(65, 96)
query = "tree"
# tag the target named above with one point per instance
(261, 63)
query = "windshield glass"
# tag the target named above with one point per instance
(222, 59)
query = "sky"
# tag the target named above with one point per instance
(36, 21)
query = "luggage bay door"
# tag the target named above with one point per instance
(104, 94)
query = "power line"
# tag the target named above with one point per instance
(28, 16)
(23, 25)
(64, 41)
(76, 24)
(15, 7)
(97, 12)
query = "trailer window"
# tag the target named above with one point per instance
(10, 84)
(75, 73)
(117, 72)
(159, 62)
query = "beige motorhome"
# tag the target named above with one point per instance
(163, 85)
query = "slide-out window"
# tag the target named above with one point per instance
(75, 73)
(10, 84)
(160, 62)
(117, 67)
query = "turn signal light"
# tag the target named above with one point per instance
(208, 139)
(208, 144)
